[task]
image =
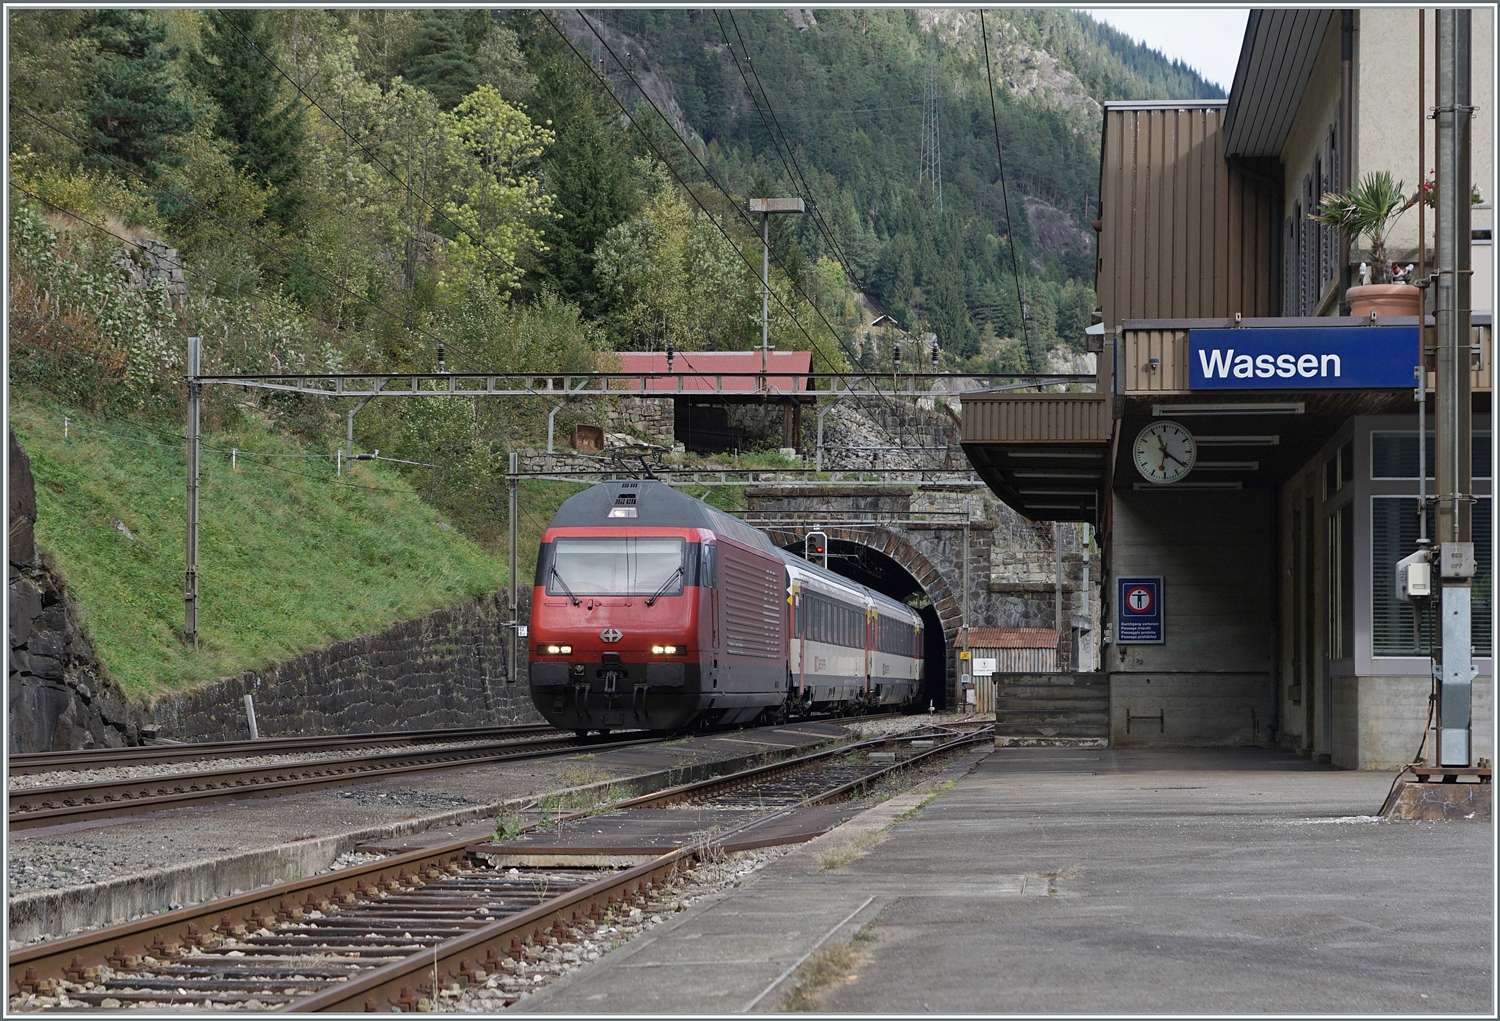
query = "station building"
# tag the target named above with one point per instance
(1269, 567)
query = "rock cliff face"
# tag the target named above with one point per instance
(59, 695)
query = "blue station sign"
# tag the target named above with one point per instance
(1139, 612)
(1303, 358)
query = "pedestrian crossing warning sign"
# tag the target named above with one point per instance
(1139, 612)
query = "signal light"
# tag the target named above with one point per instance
(816, 546)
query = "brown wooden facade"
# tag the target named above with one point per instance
(1183, 234)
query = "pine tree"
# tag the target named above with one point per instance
(255, 115)
(441, 60)
(135, 109)
(590, 173)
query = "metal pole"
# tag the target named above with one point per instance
(1346, 143)
(1453, 411)
(1422, 174)
(1422, 281)
(515, 567)
(1057, 608)
(1421, 374)
(551, 423)
(349, 447)
(250, 717)
(960, 699)
(765, 294)
(194, 394)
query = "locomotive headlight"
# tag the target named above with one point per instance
(559, 650)
(664, 650)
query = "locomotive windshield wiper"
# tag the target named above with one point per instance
(565, 588)
(664, 585)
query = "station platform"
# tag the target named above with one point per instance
(1066, 880)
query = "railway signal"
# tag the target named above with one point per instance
(816, 546)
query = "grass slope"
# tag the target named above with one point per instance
(290, 557)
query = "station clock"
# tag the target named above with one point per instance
(1165, 452)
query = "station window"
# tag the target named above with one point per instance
(1338, 472)
(1341, 582)
(1393, 455)
(1393, 535)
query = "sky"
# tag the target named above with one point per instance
(1207, 39)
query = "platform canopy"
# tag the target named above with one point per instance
(719, 372)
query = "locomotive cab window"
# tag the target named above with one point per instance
(617, 566)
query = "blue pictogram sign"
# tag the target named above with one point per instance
(1139, 612)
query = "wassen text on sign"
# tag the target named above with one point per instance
(1217, 364)
(1302, 358)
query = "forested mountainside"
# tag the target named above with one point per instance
(346, 189)
(830, 105)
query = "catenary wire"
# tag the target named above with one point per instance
(794, 170)
(744, 215)
(1010, 231)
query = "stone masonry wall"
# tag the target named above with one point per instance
(652, 417)
(1013, 568)
(59, 696)
(446, 669)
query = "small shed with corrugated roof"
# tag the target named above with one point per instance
(1007, 650)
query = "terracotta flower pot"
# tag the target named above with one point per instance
(1384, 300)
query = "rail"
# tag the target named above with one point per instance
(66, 803)
(140, 755)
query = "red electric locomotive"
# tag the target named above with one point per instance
(653, 610)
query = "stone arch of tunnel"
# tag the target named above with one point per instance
(886, 562)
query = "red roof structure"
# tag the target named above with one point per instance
(696, 371)
(1012, 638)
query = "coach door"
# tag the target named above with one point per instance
(708, 606)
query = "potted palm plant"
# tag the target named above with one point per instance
(1370, 209)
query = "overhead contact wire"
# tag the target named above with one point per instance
(1010, 230)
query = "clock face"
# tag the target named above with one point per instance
(1164, 452)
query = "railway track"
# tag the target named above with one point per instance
(396, 934)
(95, 758)
(56, 804)
(65, 803)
